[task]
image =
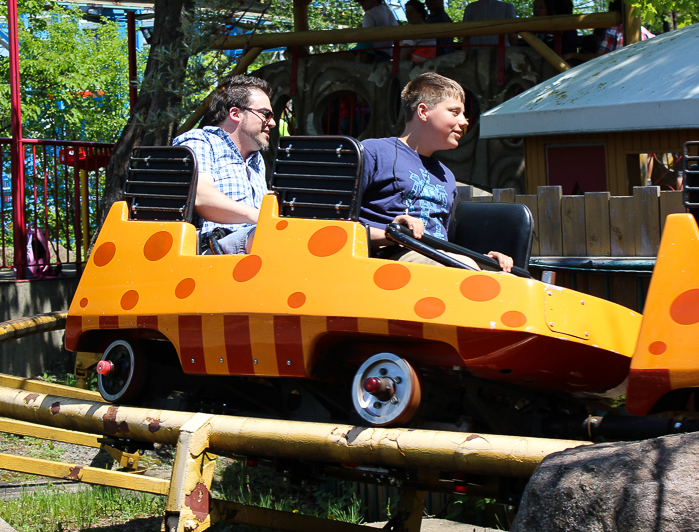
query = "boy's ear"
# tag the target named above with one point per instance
(422, 111)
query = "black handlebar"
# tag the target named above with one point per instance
(429, 246)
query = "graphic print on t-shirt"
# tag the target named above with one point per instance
(431, 198)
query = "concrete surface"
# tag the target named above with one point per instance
(4, 527)
(35, 354)
(440, 525)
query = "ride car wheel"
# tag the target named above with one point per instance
(386, 390)
(121, 372)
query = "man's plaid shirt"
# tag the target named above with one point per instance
(217, 154)
(614, 39)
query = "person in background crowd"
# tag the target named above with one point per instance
(438, 15)
(613, 38)
(418, 50)
(569, 38)
(489, 10)
(376, 14)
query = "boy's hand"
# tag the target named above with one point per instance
(506, 262)
(414, 224)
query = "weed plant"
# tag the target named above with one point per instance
(58, 510)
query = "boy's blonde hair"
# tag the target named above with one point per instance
(429, 88)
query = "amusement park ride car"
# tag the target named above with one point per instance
(310, 326)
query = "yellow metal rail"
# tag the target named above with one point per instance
(15, 329)
(200, 437)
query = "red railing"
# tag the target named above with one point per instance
(62, 183)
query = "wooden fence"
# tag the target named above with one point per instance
(598, 244)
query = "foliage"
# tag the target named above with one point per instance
(653, 12)
(322, 15)
(53, 509)
(74, 78)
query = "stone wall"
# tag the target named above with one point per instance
(493, 163)
(41, 352)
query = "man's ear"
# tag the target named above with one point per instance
(235, 114)
(422, 111)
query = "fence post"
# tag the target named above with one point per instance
(19, 229)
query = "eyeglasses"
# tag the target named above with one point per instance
(266, 117)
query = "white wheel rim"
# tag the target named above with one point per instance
(369, 407)
(116, 347)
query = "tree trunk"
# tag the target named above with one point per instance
(150, 124)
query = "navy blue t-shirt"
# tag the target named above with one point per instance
(428, 187)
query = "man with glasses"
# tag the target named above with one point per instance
(231, 180)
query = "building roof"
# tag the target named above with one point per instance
(649, 85)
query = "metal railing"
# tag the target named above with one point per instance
(62, 183)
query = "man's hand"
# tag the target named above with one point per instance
(505, 261)
(414, 224)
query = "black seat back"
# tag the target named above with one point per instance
(504, 227)
(318, 177)
(161, 183)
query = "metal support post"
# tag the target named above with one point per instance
(131, 31)
(189, 500)
(19, 230)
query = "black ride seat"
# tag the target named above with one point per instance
(504, 227)
(318, 177)
(161, 183)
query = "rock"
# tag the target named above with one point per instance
(616, 487)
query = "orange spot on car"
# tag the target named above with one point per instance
(129, 300)
(685, 308)
(327, 241)
(657, 348)
(392, 276)
(513, 318)
(480, 288)
(282, 225)
(247, 268)
(158, 245)
(185, 288)
(430, 308)
(83, 302)
(296, 300)
(104, 254)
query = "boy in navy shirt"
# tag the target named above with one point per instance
(403, 183)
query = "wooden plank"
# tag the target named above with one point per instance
(647, 220)
(573, 226)
(483, 199)
(595, 286)
(624, 291)
(597, 224)
(531, 201)
(622, 227)
(670, 203)
(504, 195)
(549, 203)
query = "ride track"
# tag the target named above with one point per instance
(413, 460)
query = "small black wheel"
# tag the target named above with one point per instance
(121, 372)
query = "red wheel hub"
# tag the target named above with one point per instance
(104, 367)
(380, 387)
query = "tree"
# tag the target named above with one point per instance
(74, 80)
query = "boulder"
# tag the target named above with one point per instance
(627, 486)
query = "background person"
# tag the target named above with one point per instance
(417, 50)
(438, 15)
(376, 14)
(489, 10)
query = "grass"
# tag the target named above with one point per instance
(58, 510)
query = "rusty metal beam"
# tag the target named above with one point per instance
(88, 475)
(487, 454)
(41, 387)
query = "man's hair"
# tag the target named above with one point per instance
(429, 88)
(236, 94)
